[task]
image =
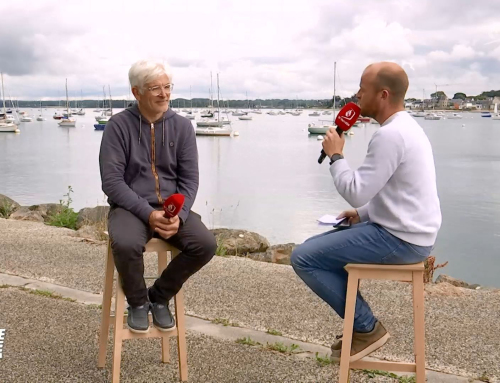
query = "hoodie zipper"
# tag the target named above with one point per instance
(153, 163)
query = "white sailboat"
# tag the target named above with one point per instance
(213, 127)
(67, 121)
(40, 116)
(312, 128)
(496, 115)
(6, 126)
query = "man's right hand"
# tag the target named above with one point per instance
(352, 215)
(166, 227)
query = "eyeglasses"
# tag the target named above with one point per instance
(157, 90)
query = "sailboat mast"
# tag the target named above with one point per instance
(334, 87)
(218, 103)
(191, 97)
(67, 102)
(110, 100)
(211, 91)
(3, 96)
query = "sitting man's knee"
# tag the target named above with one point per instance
(296, 259)
(126, 245)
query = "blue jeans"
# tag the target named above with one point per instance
(320, 262)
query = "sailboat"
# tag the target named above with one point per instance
(190, 115)
(246, 116)
(67, 121)
(6, 126)
(40, 117)
(496, 115)
(213, 127)
(104, 118)
(312, 128)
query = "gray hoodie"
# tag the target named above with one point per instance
(142, 163)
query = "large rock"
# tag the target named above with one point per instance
(7, 206)
(455, 282)
(444, 289)
(25, 214)
(96, 216)
(240, 242)
(47, 209)
(91, 232)
(275, 254)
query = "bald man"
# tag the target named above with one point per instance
(397, 215)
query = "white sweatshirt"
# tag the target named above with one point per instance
(395, 186)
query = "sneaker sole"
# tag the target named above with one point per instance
(367, 351)
(165, 329)
(138, 331)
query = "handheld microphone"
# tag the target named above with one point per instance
(173, 205)
(346, 118)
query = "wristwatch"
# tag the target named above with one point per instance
(335, 157)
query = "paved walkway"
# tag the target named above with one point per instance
(461, 325)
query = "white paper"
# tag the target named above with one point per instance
(329, 220)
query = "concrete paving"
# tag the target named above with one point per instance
(461, 325)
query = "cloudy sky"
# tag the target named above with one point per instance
(270, 48)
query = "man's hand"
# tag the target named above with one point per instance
(352, 215)
(166, 227)
(333, 143)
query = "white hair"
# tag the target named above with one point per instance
(144, 71)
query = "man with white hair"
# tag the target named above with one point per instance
(148, 152)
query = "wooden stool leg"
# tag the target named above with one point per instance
(106, 306)
(419, 319)
(181, 335)
(352, 291)
(117, 348)
(165, 340)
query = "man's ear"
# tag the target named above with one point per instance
(136, 93)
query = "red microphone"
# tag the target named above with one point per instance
(173, 205)
(346, 118)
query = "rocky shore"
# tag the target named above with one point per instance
(91, 223)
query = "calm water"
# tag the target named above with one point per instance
(268, 180)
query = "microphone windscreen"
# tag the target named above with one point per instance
(173, 205)
(347, 116)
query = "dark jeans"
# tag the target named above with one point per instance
(129, 236)
(320, 262)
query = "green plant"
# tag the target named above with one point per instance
(247, 341)
(280, 347)
(274, 332)
(400, 379)
(323, 360)
(484, 378)
(221, 250)
(48, 294)
(6, 209)
(225, 322)
(65, 215)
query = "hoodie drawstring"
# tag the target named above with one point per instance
(163, 134)
(140, 128)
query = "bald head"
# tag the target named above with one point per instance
(391, 77)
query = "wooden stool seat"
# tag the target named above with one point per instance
(408, 273)
(162, 249)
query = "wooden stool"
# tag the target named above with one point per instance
(408, 273)
(161, 248)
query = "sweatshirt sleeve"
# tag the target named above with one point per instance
(385, 153)
(363, 213)
(187, 172)
(112, 164)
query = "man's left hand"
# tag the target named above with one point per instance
(333, 143)
(170, 229)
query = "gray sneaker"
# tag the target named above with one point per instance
(137, 318)
(162, 317)
(362, 343)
